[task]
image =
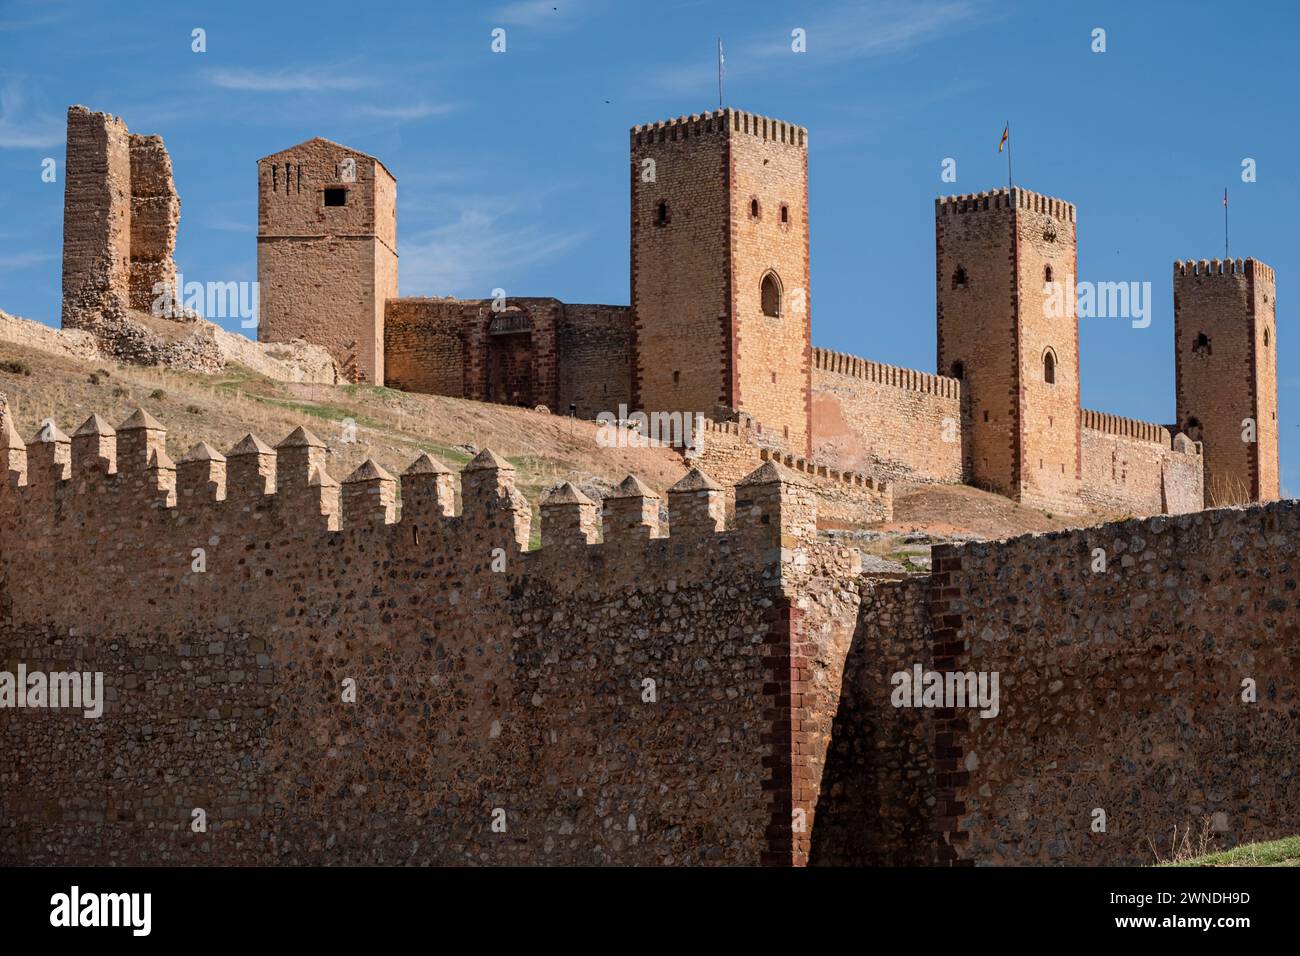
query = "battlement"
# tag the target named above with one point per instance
(906, 378)
(126, 471)
(1132, 428)
(1004, 199)
(853, 478)
(1194, 268)
(726, 121)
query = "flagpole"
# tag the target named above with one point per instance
(1225, 222)
(719, 72)
(1010, 187)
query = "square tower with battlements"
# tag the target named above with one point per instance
(720, 270)
(327, 252)
(1225, 348)
(1008, 328)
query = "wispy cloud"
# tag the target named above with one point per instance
(412, 112)
(860, 31)
(304, 80)
(21, 131)
(483, 248)
(23, 260)
(531, 13)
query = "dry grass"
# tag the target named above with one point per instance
(391, 427)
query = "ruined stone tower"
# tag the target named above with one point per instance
(1225, 347)
(327, 252)
(1008, 329)
(720, 270)
(120, 213)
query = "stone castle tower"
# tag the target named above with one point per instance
(719, 261)
(1225, 347)
(327, 252)
(1011, 340)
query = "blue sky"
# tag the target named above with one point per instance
(512, 168)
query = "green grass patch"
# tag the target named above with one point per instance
(1284, 852)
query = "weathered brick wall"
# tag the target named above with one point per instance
(894, 423)
(1133, 467)
(521, 689)
(155, 215)
(1229, 375)
(326, 272)
(768, 177)
(423, 350)
(878, 781)
(1122, 690)
(594, 343)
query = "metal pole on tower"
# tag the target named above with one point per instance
(1225, 222)
(721, 60)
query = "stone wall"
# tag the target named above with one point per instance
(594, 346)
(894, 423)
(423, 347)
(731, 450)
(120, 214)
(534, 351)
(521, 690)
(1122, 689)
(500, 685)
(877, 786)
(1132, 467)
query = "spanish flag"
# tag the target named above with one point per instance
(1005, 133)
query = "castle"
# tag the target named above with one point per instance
(720, 324)
(383, 670)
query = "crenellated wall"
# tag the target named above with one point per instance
(731, 450)
(895, 423)
(625, 693)
(1137, 468)
(488, 678)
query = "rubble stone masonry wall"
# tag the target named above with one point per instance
(895, 423)
(1122, 690)
(523, 691)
